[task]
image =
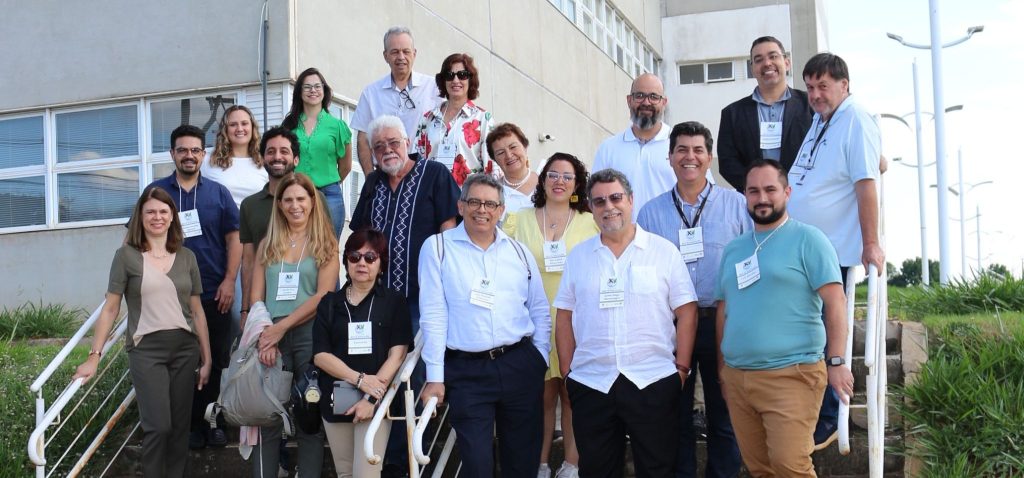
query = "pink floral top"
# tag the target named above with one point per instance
(466, 132)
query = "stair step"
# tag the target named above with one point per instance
(893, 336)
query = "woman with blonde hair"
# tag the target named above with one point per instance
(235, 160)
(297, 264)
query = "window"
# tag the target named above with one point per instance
(201, 111)
(97, 134)
(21, 142)
(721, 71)
(97, 195)
(690, 74)
(23, 201)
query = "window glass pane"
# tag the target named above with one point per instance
(618, 56)
(569, 9)
(162, 170)
(750, 69)
(21, 142)
(720, 71)
(94, 195)
(690, 74)
(22, 202)
(201, 111)
(100, 133)
(588, 26)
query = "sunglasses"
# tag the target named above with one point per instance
(461, 74)
(354, 256)
(615, 198)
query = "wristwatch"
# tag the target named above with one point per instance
(835, 361)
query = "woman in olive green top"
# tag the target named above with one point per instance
(297, 264)
(325, 153)
(167, 337)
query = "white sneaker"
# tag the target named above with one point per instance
(544, 471)
(567, 470)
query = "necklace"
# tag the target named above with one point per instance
(154, 256)
(293, 242)
(516, 185)
(348, 296)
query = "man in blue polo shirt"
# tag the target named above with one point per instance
(700, 219)
(209, 219)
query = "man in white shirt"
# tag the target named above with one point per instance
(621, 293)
(402, 92)
(835, 184)
(486, 330)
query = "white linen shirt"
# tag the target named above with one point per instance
(382, 97)
(243, 178)
(638, 339)
(824, 195)
(645, 165)
(447, 317)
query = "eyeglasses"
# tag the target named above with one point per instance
(354, 257)
(565, 177)
(462, 74)
(183, 151)
(614, 198)
(380, 148)
(640, 96)
(405, 100)
(313, 87)
(476, 203)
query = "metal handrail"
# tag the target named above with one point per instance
(844, 407)
(421, 426)
(404, 376)
(58, 360)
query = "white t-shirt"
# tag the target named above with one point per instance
(823, 183)
(242, 178)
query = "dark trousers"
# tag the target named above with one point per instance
(507, 393)
(650, 417)
(163, 369)
(829, 413)
(219, 326)
(723, 453)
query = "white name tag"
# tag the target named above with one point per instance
(771, 134)
(482, 294)
(360, 338)
(691, 243)
(287, 285)
(446, 152)
(190, 223)
(612, 292)
(554, 256)
(747, 272)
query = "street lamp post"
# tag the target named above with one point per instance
(940, 125)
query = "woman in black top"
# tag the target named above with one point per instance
(368, 361)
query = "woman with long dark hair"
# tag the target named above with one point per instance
(325, 142)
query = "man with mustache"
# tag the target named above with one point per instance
(209, 219)
(626, 311)
(835, 183)
(770, 123)
(701, 219)
(402, 92)
(772, 368)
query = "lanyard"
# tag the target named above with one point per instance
(696, 216)
(817, 141)
(369, 314)
(195, 197)
(302, 252)
(758, 245)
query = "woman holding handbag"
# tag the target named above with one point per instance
(361, 335)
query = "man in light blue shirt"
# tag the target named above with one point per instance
(487, 331)
(700, 219)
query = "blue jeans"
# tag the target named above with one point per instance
(723, 453)
(335, 206)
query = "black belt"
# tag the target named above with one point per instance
(486, 354)
(707, 312)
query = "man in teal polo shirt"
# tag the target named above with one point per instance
(772, 368)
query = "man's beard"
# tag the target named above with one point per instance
(645, 122)
(393, 168)
(771, 218)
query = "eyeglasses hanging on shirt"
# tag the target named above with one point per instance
(806, 159)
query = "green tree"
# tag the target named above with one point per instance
(998, 269)
(910, 272)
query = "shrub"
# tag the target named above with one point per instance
(33, 321)
(965, 409)
(984, 293)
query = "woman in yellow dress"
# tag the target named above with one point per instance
(559, 220)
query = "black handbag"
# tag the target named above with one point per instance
(306, 398)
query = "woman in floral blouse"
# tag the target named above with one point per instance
(454, 132)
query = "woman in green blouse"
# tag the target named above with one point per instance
(325, 152)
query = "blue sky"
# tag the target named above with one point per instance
(984, 74)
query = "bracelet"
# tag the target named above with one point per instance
(244, 311)
(359, 381)
(683, 368)
(98, 353)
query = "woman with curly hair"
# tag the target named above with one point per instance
(236, 161)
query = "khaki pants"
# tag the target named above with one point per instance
(773, 414)
(346, 441)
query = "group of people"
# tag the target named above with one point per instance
(605, 291)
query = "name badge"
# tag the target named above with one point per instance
(612, 292)
(554, 256)
(446, 152)
(691, 243)
(482, 294)
(747, 272)
(287, 285)
(190, 223)
(360, 338)
(771, 134)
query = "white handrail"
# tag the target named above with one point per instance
(871, 333)
(421, 426)
(877, 386)
(844, 408)
(58, 360)
(35, 441)
(404, 375)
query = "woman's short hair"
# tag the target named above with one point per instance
(580, 191)
(503, 131)
(136, 235)
(446, 66)
(222, 152)
(367, 236)
(322, 246)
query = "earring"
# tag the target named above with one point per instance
(574, 198)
